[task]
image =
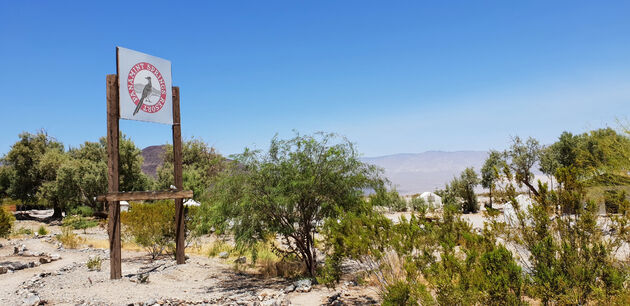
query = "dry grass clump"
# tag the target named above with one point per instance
(94, 263)
(269, 268)
(69, 239)
(261, 259)
(219, 246)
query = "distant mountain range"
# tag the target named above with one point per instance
(418, 172)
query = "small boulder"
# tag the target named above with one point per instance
(334, 299)
(17, 266)
(150, 302)
(224, 255)
(241, 260)
(289, 288)
(19, 249)
(45, 260)
(303, 285)
(30, 300)
(3, 270)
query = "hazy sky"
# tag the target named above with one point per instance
(392, 76)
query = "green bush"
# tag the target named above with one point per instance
(399, 293)
(390, 199)
(502, 276)
(219, 246)
(94, 263)
(78, 222)
(152, 225)
(420, 205)
(6, 222)
(615, 201)
(83, 211)
(23, 231)
(42, 230)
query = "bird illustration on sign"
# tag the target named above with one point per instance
(147, 90)
(145, 94)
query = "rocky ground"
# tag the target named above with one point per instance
(36, 270)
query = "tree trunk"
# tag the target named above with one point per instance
(57, 212)
(490, 197)
(531, 188)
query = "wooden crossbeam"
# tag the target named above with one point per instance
(145, 195)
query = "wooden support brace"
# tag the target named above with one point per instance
(146, 195)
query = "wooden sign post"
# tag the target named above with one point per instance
(113, 180)
(179, 180)
(114, 196)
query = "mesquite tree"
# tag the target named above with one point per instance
(289, 191)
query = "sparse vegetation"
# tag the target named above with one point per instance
(150, 225)
(79, 222)
(69, 239)
(388, 198)
(42, 231)
(418, 204)
(6, 222)
(83, 211)
(22, 231)
(94, 263)
(219, 246)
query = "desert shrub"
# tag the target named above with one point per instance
(42, 230)
(390, 199)
(330, 273)
(285, 268)
(503, 277)
(219, 246)
(151, 225)
(69, 239)
(399, 293)
(79, 222)
(289, 191)
(615, 200)
(23, 231)
(94, 263)
(571, 261)
(83, 211)
(408, 260)
(419, 204)
(6, 222)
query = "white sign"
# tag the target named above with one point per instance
(144, 83)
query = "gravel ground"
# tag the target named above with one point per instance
(213, 281)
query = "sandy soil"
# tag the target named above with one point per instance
(212, 281)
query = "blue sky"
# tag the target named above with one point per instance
(392, 76)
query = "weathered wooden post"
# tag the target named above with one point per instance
(180, 229)
(112, 176)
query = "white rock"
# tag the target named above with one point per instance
(303, 285)
(30, 300)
